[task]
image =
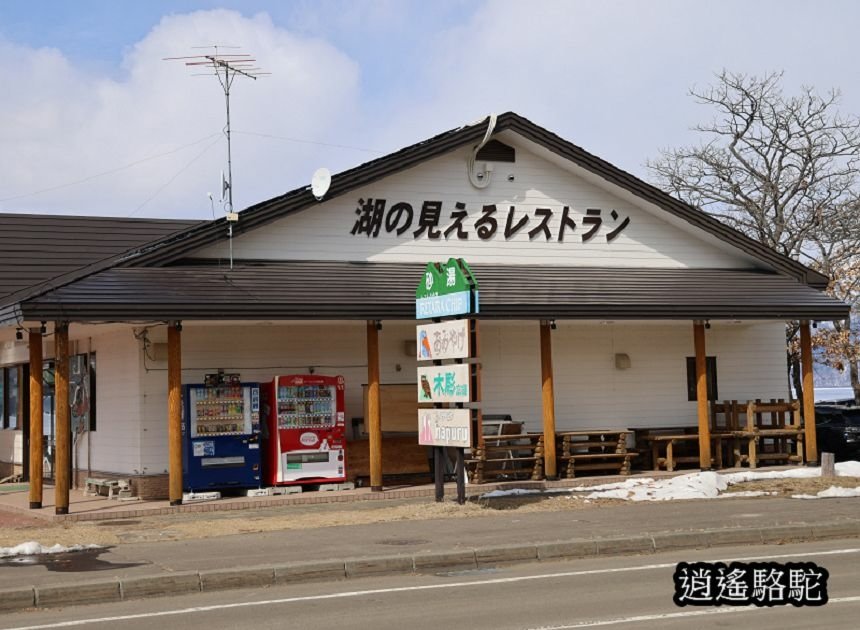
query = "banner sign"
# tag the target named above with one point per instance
(446, 340)
(445, 305)
(445, 427)
(444, 383)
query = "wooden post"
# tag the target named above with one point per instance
(36, 472)
(808, 395)
(374, 423)
(702, 396)
(548, 399)
(174, 412)
(62, 458)
(828, 465)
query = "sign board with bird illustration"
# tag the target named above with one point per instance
(444, 383)
(445, 340)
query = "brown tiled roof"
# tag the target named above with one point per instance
(35, 248)
(343, 290)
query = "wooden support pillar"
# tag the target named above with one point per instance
(548, 399)
(174, 412)
(63, 456)
(36, 472)
(374, 422)
(809, 437)
(702, 396)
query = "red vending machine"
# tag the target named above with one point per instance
(306, 433)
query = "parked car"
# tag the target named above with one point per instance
(838, 430)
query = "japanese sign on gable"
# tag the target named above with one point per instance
(445, 340)
(376, 215)
(444, 383)
(445, 427)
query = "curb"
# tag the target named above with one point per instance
(125, 589)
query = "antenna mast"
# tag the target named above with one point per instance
(226, 67)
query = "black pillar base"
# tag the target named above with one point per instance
(175, 502)
(376, 488)
(35, 505)
(813, 464)
(61, 511)
(553, 478)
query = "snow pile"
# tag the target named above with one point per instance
(32, 548)
(698, 485)
(833, 492)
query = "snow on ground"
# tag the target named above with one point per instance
(33, 549)
(833, 492)
(698, 485)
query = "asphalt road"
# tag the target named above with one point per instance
(609, 592)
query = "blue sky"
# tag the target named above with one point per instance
(92, 100)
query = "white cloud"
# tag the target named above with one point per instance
(62, 124)
(610, 76)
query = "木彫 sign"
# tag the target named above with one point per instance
(445, 340)
(444, 383)
(445, 427)
(446, 290)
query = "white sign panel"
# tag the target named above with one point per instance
(445, 427)
(446, 340)
(444, 383)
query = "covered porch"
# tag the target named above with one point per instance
(578, 358)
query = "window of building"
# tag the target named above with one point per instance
(11, 389)
(710, 377)
(82, 381)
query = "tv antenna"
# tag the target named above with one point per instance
(225, 66)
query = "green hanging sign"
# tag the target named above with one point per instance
(445, 290)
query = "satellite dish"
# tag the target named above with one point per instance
(320, 183)
(225, 186)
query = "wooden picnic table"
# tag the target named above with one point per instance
(518, 456)
(594, 449)
(771, 431)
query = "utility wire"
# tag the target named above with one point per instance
(300, 141)
(176, 174)
(110, 172)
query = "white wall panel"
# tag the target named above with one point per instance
(323, 232)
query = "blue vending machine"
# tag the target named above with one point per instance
(221, 434)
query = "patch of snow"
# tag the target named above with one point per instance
(32, 548)
(747, 493)
(848, 469)
(833, 492)
(514, 492)
(697, 485)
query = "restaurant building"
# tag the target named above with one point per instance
(644, 301)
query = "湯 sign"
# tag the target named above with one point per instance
(446, 291)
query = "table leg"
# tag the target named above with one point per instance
(670, 462)
(753, 456)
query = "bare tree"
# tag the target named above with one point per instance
(785, 170)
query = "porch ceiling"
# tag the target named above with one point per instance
(343, 290)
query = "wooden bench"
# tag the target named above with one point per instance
(507, 457)
(593, 449)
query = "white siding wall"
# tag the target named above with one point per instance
(589, 390)
(117, 440)
(259, 353)
(323, 232)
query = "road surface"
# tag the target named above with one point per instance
(620, 592)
